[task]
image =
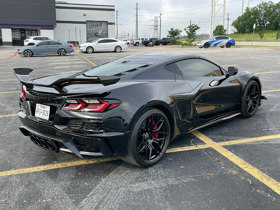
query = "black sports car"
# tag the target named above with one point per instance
(134, 106)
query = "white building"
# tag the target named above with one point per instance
(56, 20)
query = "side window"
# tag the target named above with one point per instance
(53, 43)
(37, 38)
(42, 43)
(198, 68)
(102, 41)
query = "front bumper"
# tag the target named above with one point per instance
(83, 48)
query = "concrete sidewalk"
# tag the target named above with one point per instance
(259, 43)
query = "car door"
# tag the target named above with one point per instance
(101, 45)
(219, 93)
(41, 48)
(53, 47)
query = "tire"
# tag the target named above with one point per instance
(137, 44)
(61, 52)
(27, 53)
(149, 138)
(251, 99)
(228, 45)
(90, 50)
(206, 45)
(118, 49)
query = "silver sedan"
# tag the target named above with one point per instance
(46, 47)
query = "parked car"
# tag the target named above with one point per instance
(150, 42)
(46, 47)
(127, 41)
(134, 106)
(106, 44)
(217, 41)
(137, 42)
(32, 40)
(164, 41)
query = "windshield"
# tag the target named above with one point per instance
(111, 69)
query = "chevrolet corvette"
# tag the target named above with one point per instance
(133, 107)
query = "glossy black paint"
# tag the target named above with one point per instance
(188, 102)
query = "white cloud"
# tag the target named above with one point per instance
(175, 14)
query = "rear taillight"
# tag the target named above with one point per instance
(74, 105)
(25, 40)
(23, 93)
(89, 105)
(70, 45)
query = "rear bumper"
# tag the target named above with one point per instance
(57, 139)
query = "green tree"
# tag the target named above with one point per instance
(191, 32)
(219, 30)
(266, 16)
(174, 33)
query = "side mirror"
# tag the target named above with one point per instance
(232, 71)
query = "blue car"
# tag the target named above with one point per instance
(46, 47)
(217, 41)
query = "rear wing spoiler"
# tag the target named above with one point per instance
(23, 76)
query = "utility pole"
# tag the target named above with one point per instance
(242, 7)
(160, 25)
(212, 16)
(227, 23)
(224, 10)
(156, 27)
(117, 24)
(136, 20)
(216, 7)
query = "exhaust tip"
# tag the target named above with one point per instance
(24, 131)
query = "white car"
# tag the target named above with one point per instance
(32, 40)
(105, 44)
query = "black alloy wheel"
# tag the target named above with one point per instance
(206, 45)
(228, 45)
(251, 99)
(61, 52)
(27, 53)
(149, 139)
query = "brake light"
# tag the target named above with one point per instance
(96, 107)
(26, 40)
(23, 94)
(74, 105)
(88, 105)
(70, 45)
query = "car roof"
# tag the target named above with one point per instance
(37, 36)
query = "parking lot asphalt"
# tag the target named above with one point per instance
(230, 165)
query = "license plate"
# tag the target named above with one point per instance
(42, 111)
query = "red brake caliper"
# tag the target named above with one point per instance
(156, 135)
